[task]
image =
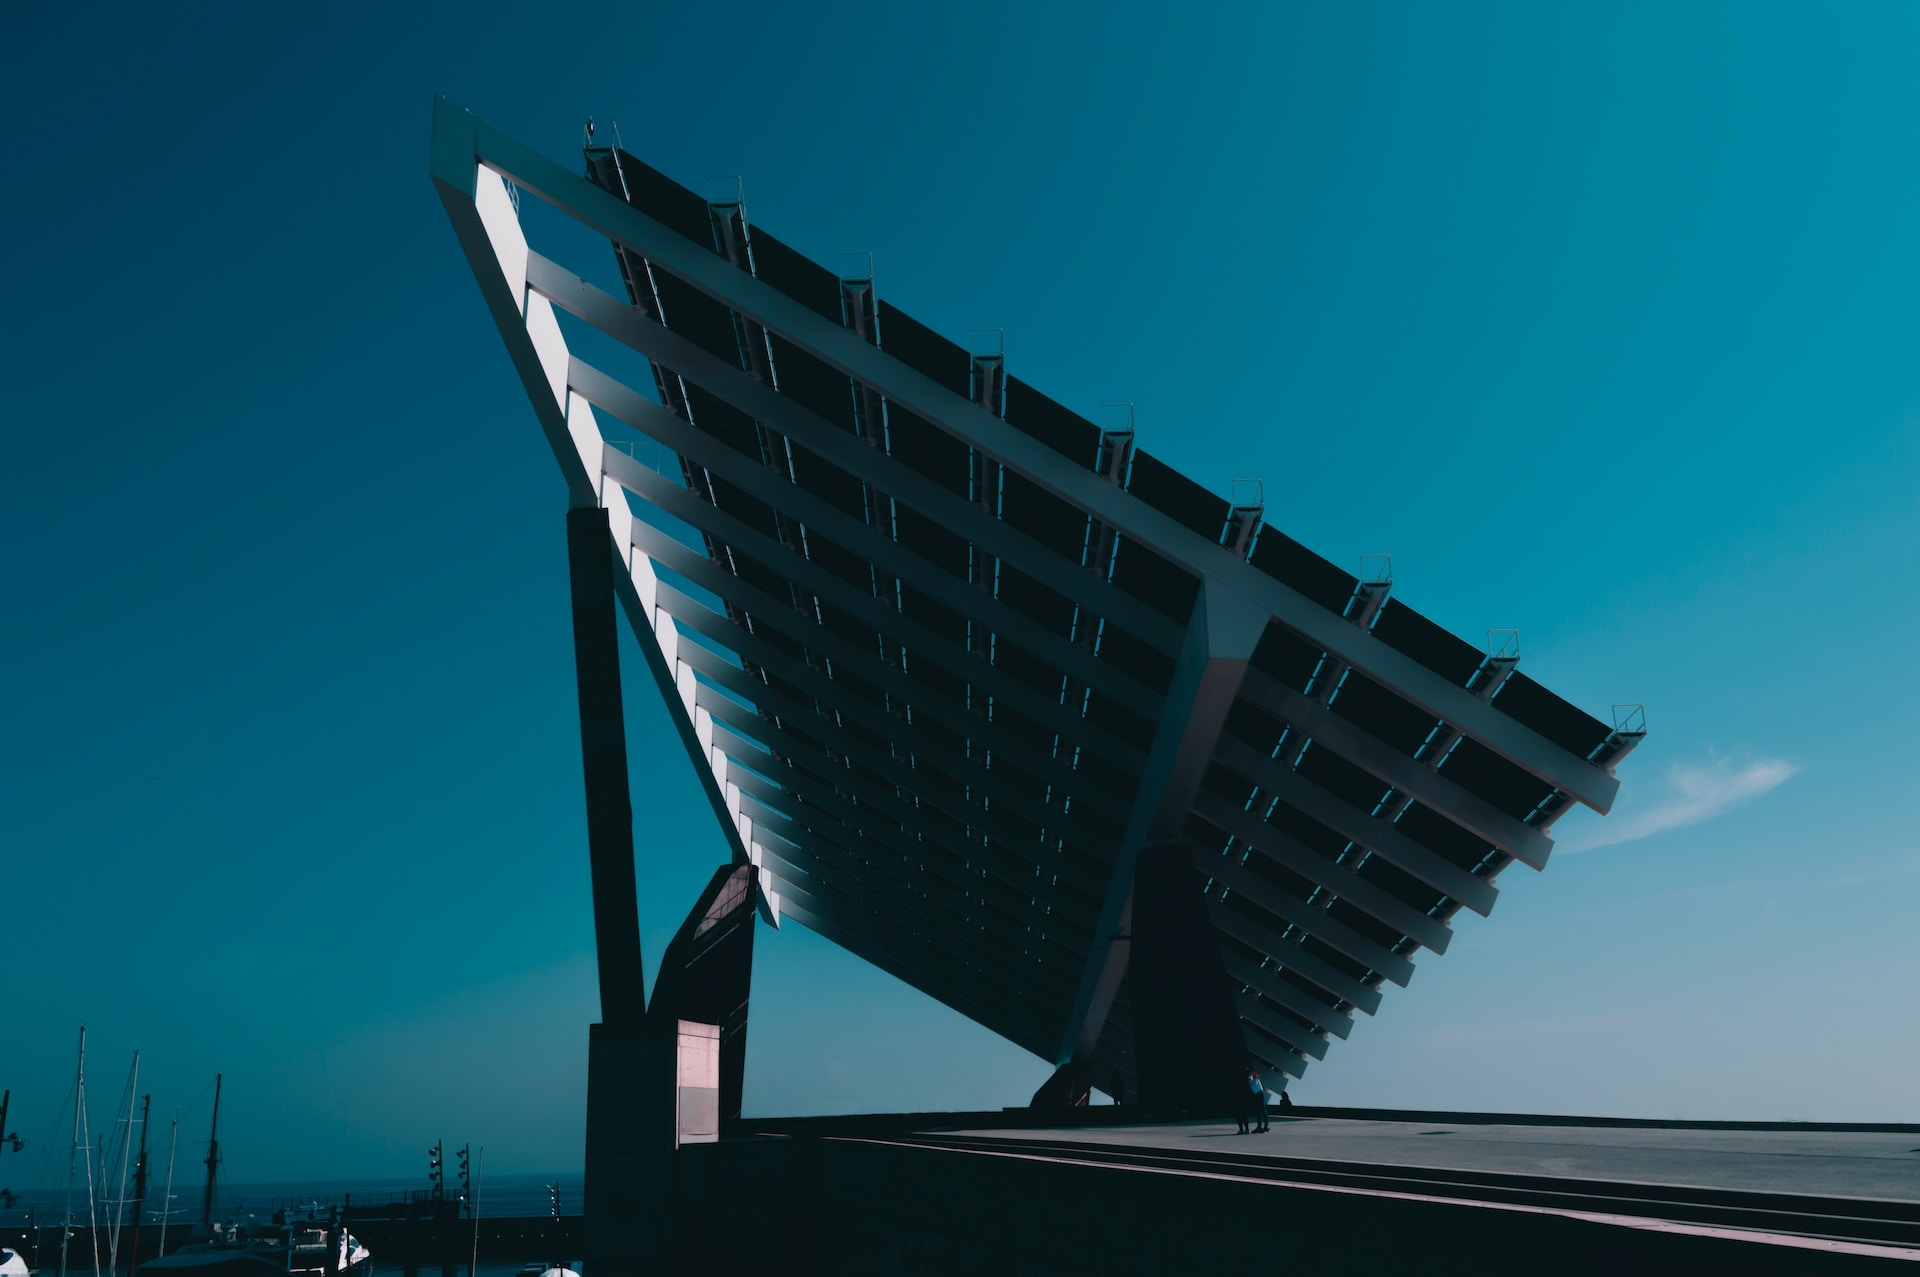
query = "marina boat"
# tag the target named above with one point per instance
(284, 1250)
(236, 1251)
(11, 1264)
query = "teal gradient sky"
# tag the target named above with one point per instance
(1601, 319)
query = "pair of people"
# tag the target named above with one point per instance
(1255, 1112)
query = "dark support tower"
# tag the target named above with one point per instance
(603, 756)
(1191, 1053)
(1264, 786)
(629, 1135)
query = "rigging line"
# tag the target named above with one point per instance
(50, 1141)
(188, 1111)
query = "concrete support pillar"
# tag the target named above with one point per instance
(1221, 637)
(1189, 1051)
(603, 757)
(630, 1151)
(629, 1161)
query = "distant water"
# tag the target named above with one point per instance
(518, 1195)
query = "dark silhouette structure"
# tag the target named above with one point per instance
(977, 687)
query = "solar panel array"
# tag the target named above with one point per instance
(930, 685)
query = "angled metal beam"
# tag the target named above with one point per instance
(703, 572)
(1316, 868)
(664, 677)
(482, 216)
(811, 577)
(958, 973)
(1354, 743)
(1286, 906)
(703, 620)
(867, 540)
(1267, 980)
(1279, 1060)
(927, 778)
(943, 904)
(858, 935)
(1268, 941)
(1221, 640)
(1351, 823)
(869, 877)
(827, 869)
(946, 768)
(1254, 1012)
(738, 388)
(1014, 883)
(852, 355)
(991, 891)
(496, 249)
(1029, 924)
(870, 883)
(1115, 1052)
(845, 654)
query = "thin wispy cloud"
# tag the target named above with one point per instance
(1698, 793)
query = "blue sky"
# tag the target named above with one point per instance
(1600, 319)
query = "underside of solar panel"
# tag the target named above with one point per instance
(949, 655)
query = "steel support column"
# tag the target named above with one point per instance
(1189, 1052)
(1221, 639)
(629, 1110)
(603, 756)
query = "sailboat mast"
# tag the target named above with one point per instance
(139, 1187)
(73, 1150)
(213, 1162)
(166, 1207)
(86, 1146)
(126, 1153)
(479, 1161)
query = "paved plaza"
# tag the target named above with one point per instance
(1882, 1165)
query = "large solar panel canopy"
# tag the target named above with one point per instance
(948, 654)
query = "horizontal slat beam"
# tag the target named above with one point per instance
(995, 874)
(1351, 823)
(1293, 957)
(1268, 981)
(703, 572)
(943, 901)
(1111, 505)
(1253, 1011)
(953, 771)
(866, 540)
(862, 606)
(984, 873)
(1309, 864)
(1283, 904)
(737, 387)
(921, 780)
(1362, 748)
(1019, 962)
(956, 953)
